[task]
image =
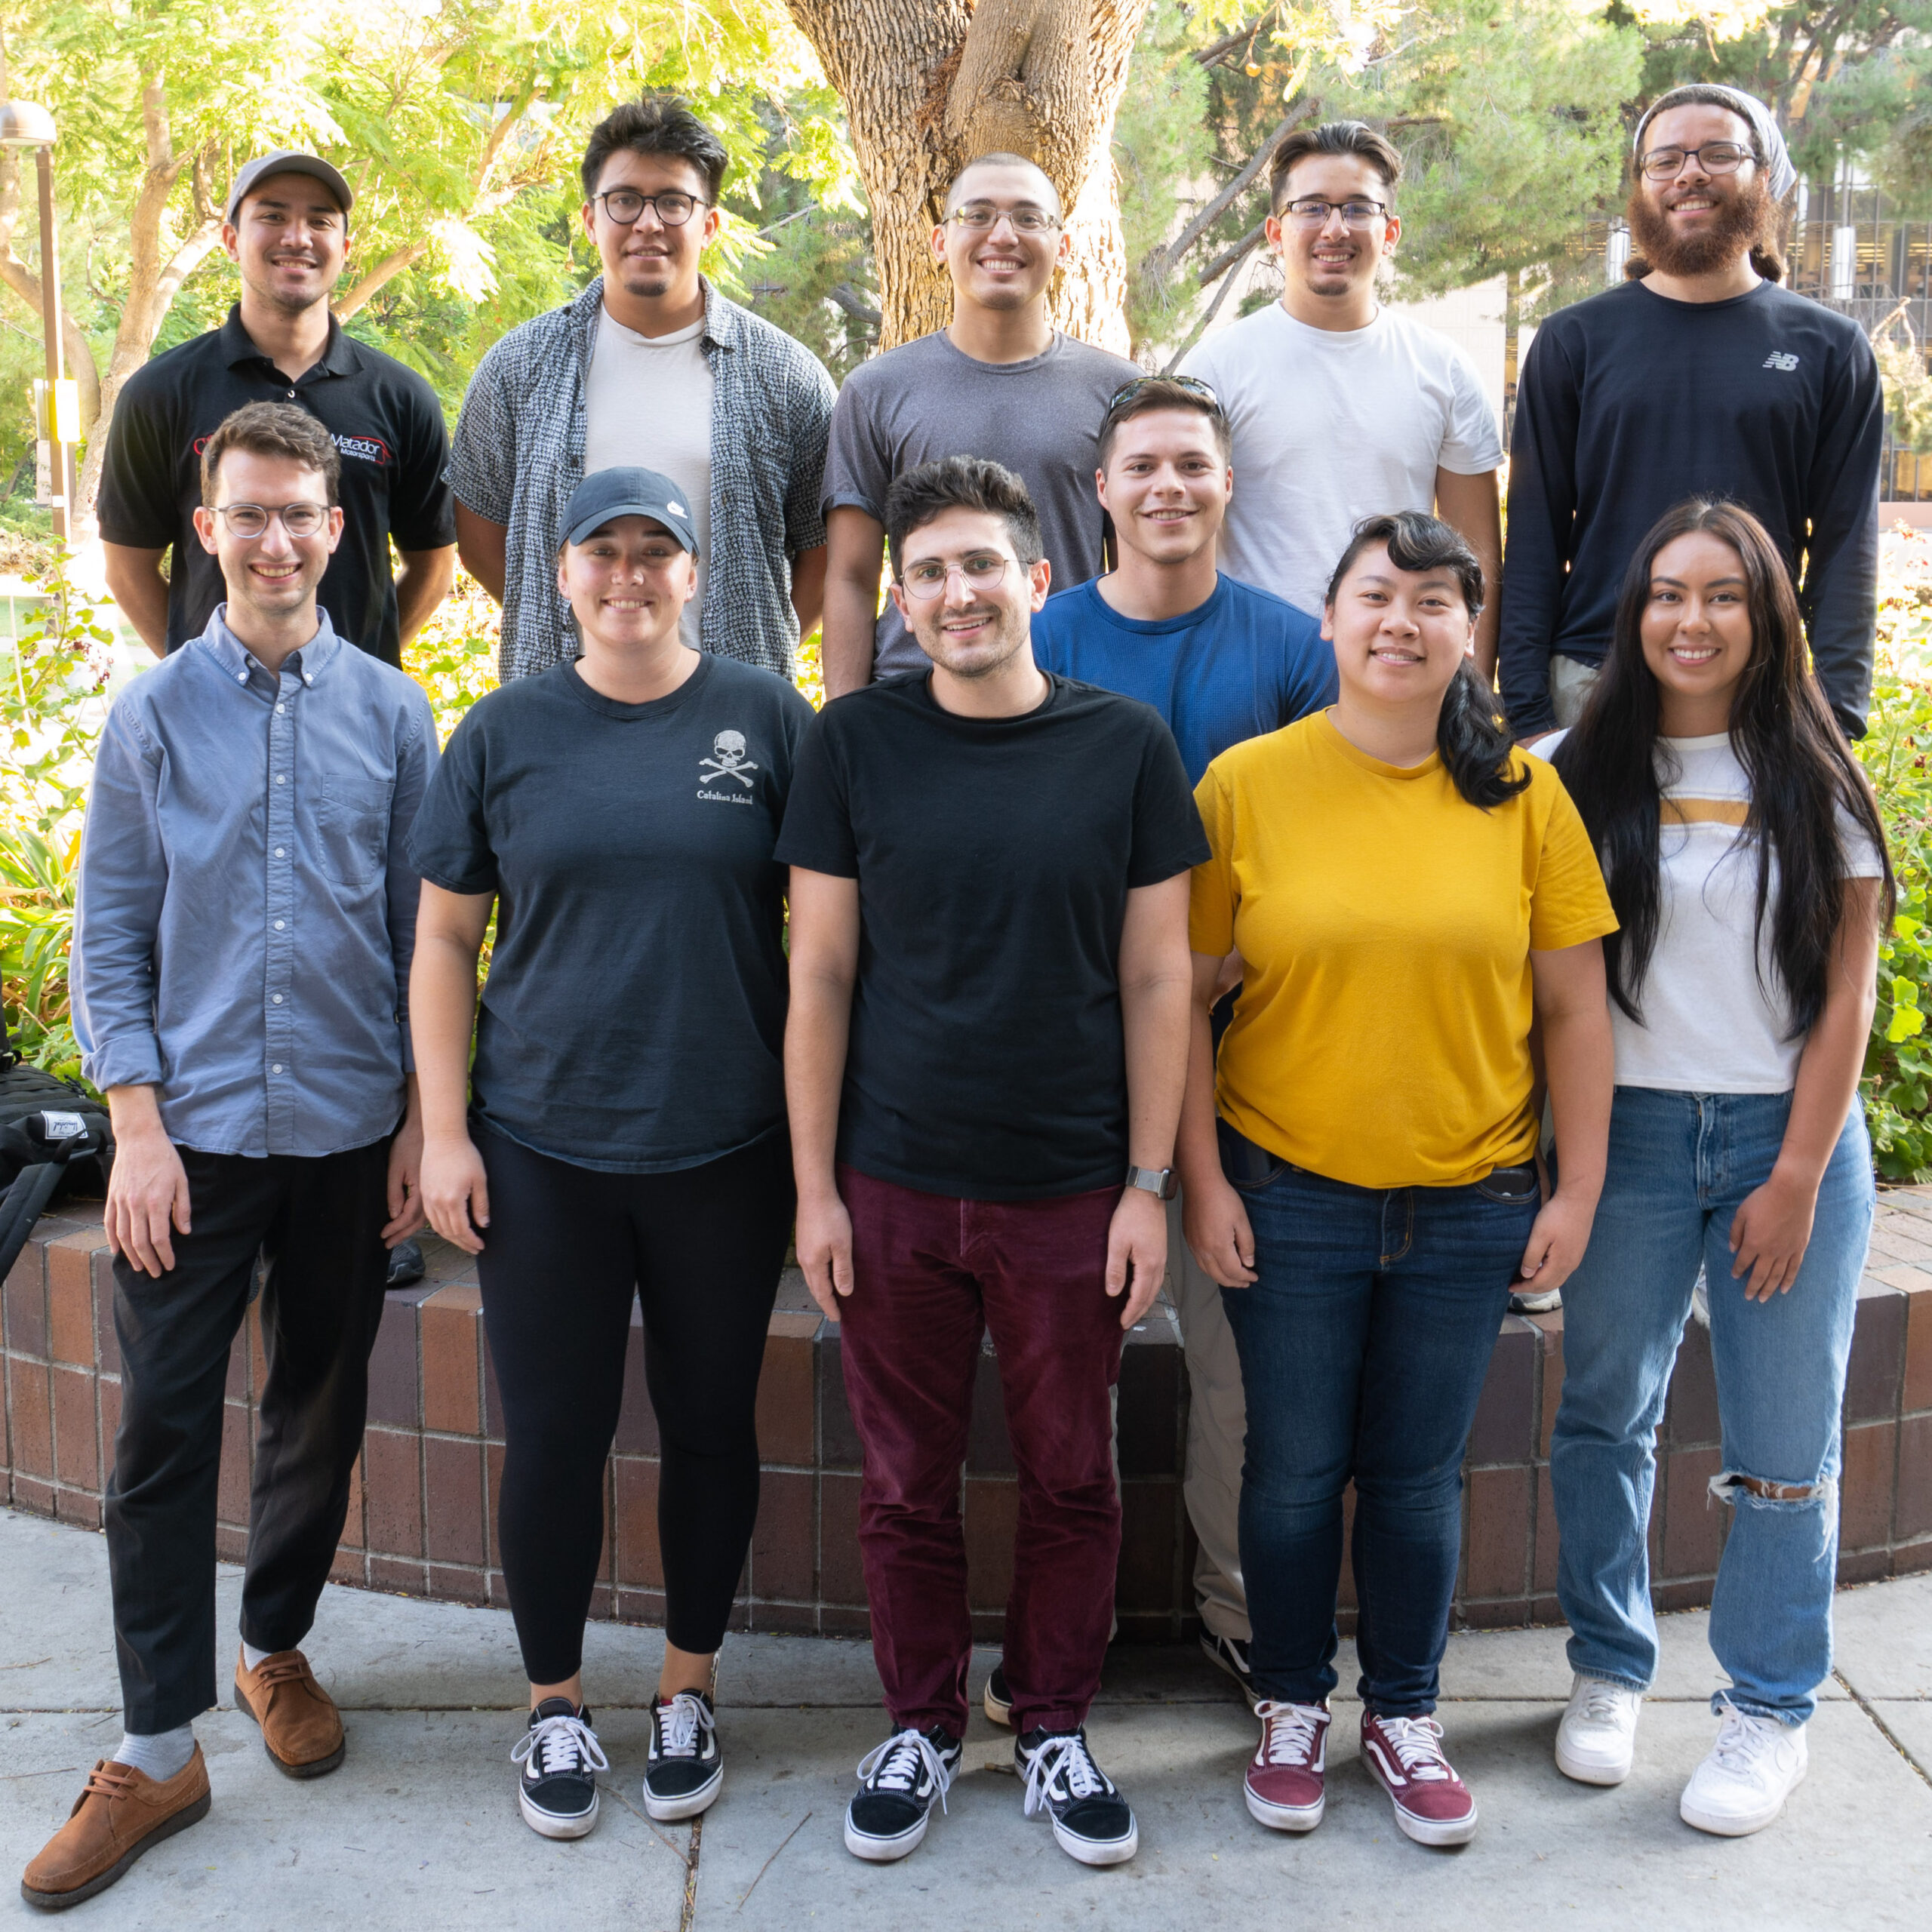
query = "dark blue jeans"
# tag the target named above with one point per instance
(1364, 1345)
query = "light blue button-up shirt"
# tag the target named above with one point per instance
(248, 909)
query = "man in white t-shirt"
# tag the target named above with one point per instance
(1340, 409)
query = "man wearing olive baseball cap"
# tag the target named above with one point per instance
(285, 226)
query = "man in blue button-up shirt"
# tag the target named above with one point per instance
(241, 961)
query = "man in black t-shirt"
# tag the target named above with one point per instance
(1700, 376)
(984, 1061)
(286, 229)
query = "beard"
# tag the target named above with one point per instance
(1738, 222)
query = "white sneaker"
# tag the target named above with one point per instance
(1598, 1737)
(1756, 1764)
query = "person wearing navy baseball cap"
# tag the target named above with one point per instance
(285, 226)
(621, 1135)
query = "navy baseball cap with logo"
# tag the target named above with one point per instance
(607, 494)
(289, 161)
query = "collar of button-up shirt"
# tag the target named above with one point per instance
(240, 663)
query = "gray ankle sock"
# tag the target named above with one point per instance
(253, 1657)
(160, 1756)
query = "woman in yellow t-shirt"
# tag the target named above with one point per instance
(1409, 897)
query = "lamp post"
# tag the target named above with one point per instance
(56, 400)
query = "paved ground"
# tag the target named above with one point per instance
(420, 1828)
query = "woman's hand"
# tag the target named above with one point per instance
(456, 1191)
(1214, 1219)
(1770, 1233)
(823, 1235)
(1557, 1240)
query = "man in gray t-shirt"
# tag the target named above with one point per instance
(999, 381)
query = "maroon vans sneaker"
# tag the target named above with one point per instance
(1404, 1757)
(1284, 1775)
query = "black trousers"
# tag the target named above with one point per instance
(566, 1250)
(318, 1223)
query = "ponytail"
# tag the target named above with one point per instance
(1472, 735)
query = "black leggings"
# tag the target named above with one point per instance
(566, 1249)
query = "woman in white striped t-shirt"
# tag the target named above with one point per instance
(1745, 860)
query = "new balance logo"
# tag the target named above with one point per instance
(1777, 361)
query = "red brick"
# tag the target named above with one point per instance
(1499, 1532)
(785, 1430)
(1543, 1576)
(393, 1393)
(1692, 1593)
(785, 1540)
(992, 1516)
(236, 1388)
(837, 1620)
(1509, 1614)
(36, 1496)
(604, 1608)
(607, 1556)
(354, 1534)
(76, 1436)
(1694, 1521)
(1910, 1558)
(30, 1413)
(453, 1476)
(77, 1506)
(1146, 1578)
(841, 1572)
(1864, 1509)
(1345, 1579)
(400, 1579)
(1546, 1612)
(231, 1542)
(350, 1566)
(258, 1357)
(237, 1438)
(392, 1482)
(70, 1297)
(1915, 1497)
(107, 1343)
(1918, 1349)
(110, 1417)
(493, 1491)
(452, 1383)
(640, 1607)
(454, 1586)
(1863, 1566)
(1551, 1325)
(798, 1619)
(25, 1296)
(637, 1421)
(638, 1566)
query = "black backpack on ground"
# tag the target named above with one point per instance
(54, 1139)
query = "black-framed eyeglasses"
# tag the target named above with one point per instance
(929, 579)
(251, 519)
(624, 206)
(1311, 211)
(1193, 385)
(1714, 158)
(981, 217)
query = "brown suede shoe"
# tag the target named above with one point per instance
(119, 1814)
(301, 1729)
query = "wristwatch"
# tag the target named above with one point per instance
(1162, 1182)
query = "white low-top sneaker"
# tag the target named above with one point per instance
(1598, 1737)
(1756, 1764)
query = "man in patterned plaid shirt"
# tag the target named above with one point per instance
(650, 367)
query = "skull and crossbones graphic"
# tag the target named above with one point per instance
(728, 760)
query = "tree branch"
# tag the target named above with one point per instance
(1159, 261)
(387, 270)
(1229, 256)
(856, 306)
(1200, 328)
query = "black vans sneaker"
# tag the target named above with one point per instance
(1091, 1821)
(1229, 1654)
(897, 1783)
(560, 1758)
(998, 1699)
(687, 1767)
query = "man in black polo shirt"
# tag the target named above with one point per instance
(287, 231)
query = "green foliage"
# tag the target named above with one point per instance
(1898, 1061)
(52, 679)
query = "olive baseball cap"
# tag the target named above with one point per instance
(289, 161)
(605, 495)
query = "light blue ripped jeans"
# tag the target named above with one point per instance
(1680, 1165)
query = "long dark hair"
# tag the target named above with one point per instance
(1801, 773)
(1472, 733)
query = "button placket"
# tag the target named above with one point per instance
(283, 844)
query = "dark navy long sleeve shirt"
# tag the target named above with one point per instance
(1631, 402)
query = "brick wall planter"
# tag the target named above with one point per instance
(421, 1516)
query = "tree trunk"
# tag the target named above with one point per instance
(1512, 328)
(929, 85)
(22, 280)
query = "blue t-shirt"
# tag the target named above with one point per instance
(1243, 663)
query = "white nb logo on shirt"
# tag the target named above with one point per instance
(1778, 360)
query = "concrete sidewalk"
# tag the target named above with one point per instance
(420, 1828)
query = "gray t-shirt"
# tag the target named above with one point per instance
(633, 1018)
(1042, 418)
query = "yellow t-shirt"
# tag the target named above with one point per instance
(1385, 925)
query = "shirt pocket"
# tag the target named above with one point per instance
(352, 829)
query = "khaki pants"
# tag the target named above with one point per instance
(1217, 1436)
(1570, 683)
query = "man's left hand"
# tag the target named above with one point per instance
(405, 1184)
(1137, 1252)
